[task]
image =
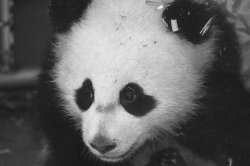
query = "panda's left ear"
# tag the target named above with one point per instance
(65, 12)
(189, 19)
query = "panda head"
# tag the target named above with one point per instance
(127, 71)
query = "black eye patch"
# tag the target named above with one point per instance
(135, 102)
(84, 96)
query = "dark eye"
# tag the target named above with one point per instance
(130, 96)
(85, 95)
(135, 101)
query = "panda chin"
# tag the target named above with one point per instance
(116, 159)
(132, 150)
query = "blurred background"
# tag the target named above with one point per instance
(24, 37)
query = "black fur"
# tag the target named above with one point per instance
(191, 17)
(142, 103)
(85, 95)
(221, 129)
(65, 12)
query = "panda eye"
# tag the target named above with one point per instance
(85, 95)
(135, 101)
(130, 95)
(88, 95)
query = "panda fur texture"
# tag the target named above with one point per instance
(127, 78)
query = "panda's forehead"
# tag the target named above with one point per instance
(125, 7)
(115, 18)
(121, 37)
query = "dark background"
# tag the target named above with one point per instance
(20, 139)
(32, 29)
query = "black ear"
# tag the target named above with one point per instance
(191, 20)
(65, 12)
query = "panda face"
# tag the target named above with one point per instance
(113, 128)
(126, 79)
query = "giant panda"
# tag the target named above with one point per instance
(127, 81)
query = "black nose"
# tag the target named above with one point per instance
(103, 144)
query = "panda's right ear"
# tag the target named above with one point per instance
(65, 12)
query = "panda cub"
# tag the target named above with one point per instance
(128, 79)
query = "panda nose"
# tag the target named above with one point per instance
(103, 144)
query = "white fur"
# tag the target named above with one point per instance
(114, 44)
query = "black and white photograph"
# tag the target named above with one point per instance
(124, 83)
